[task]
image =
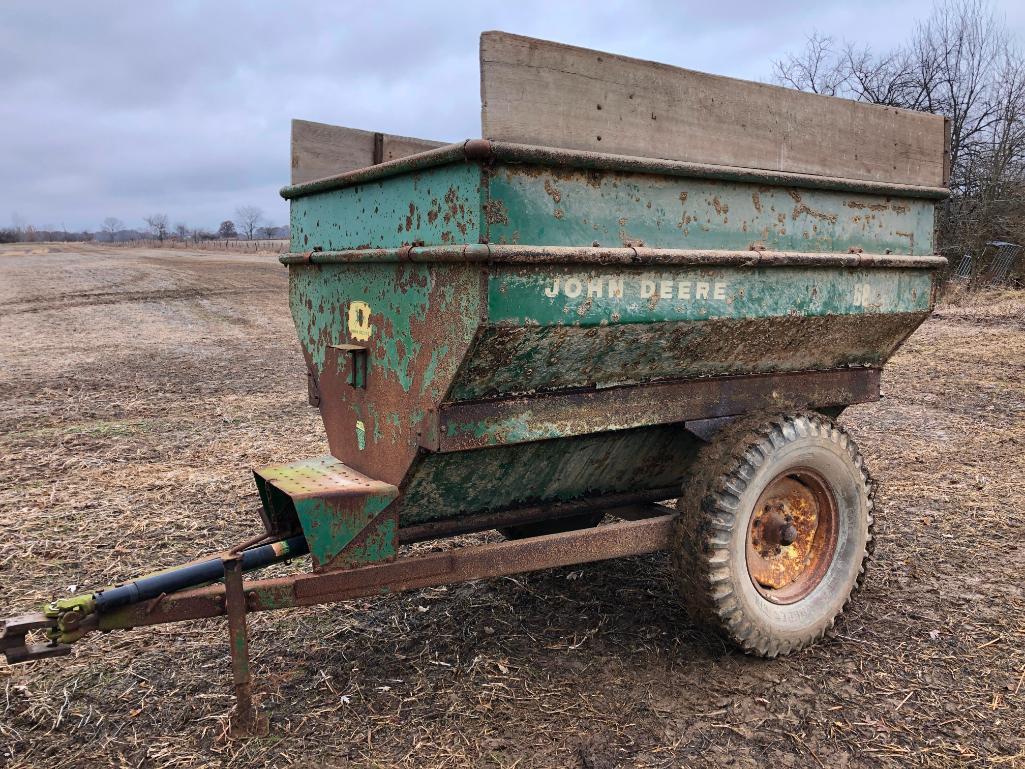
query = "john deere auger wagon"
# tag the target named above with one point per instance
(644, 284)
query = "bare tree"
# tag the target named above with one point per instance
(112, 226)
(157, 224)
(962, 63)
(818, 68)
(227, 230)
(181, 229)
(248, 219)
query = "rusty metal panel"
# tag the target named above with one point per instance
(416, 322)
(459, 483)
(344, 514)
(519, 360)
(556, 327)
(627, 505)
(574, 207)
(436, 206)
(478, 424)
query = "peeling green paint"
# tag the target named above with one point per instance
(329, 527)
(459, 483)
(557, 207)
(434, 207)
(509, 361)
(397, 297)
(550, 296)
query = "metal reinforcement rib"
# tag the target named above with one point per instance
(484, 150)
(568, 255)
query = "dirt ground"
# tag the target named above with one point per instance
(139, 388)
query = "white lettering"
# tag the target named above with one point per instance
(862, 295)
(599, 287)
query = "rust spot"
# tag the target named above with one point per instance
(451, 198)
(495, 213)
(553, 191)
(791, 536)
(801, 207)
(857, 204)
(756, 199)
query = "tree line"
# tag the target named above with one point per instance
(960, 62)
(248, 224)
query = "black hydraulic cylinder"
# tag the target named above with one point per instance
(195, 574)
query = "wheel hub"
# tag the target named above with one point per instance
(791, 536)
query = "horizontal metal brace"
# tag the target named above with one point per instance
(485, 151)
(609, 256)
(461, 426)
(411, 573)
(619, 504)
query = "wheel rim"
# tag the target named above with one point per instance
(791, 537)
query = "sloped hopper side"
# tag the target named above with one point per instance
(558, 329)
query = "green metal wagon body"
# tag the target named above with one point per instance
(492, 326)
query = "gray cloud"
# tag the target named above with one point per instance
(126, 108)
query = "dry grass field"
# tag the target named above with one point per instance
(138, 388)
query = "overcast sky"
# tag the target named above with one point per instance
(182, 107)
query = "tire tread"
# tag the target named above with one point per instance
(709, 513)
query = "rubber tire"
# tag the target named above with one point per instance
(552, 526)
(709, 538)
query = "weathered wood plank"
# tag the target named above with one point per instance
(538, 92)
(396, 147)
(320, 150)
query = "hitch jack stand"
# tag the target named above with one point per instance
(245, 720)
